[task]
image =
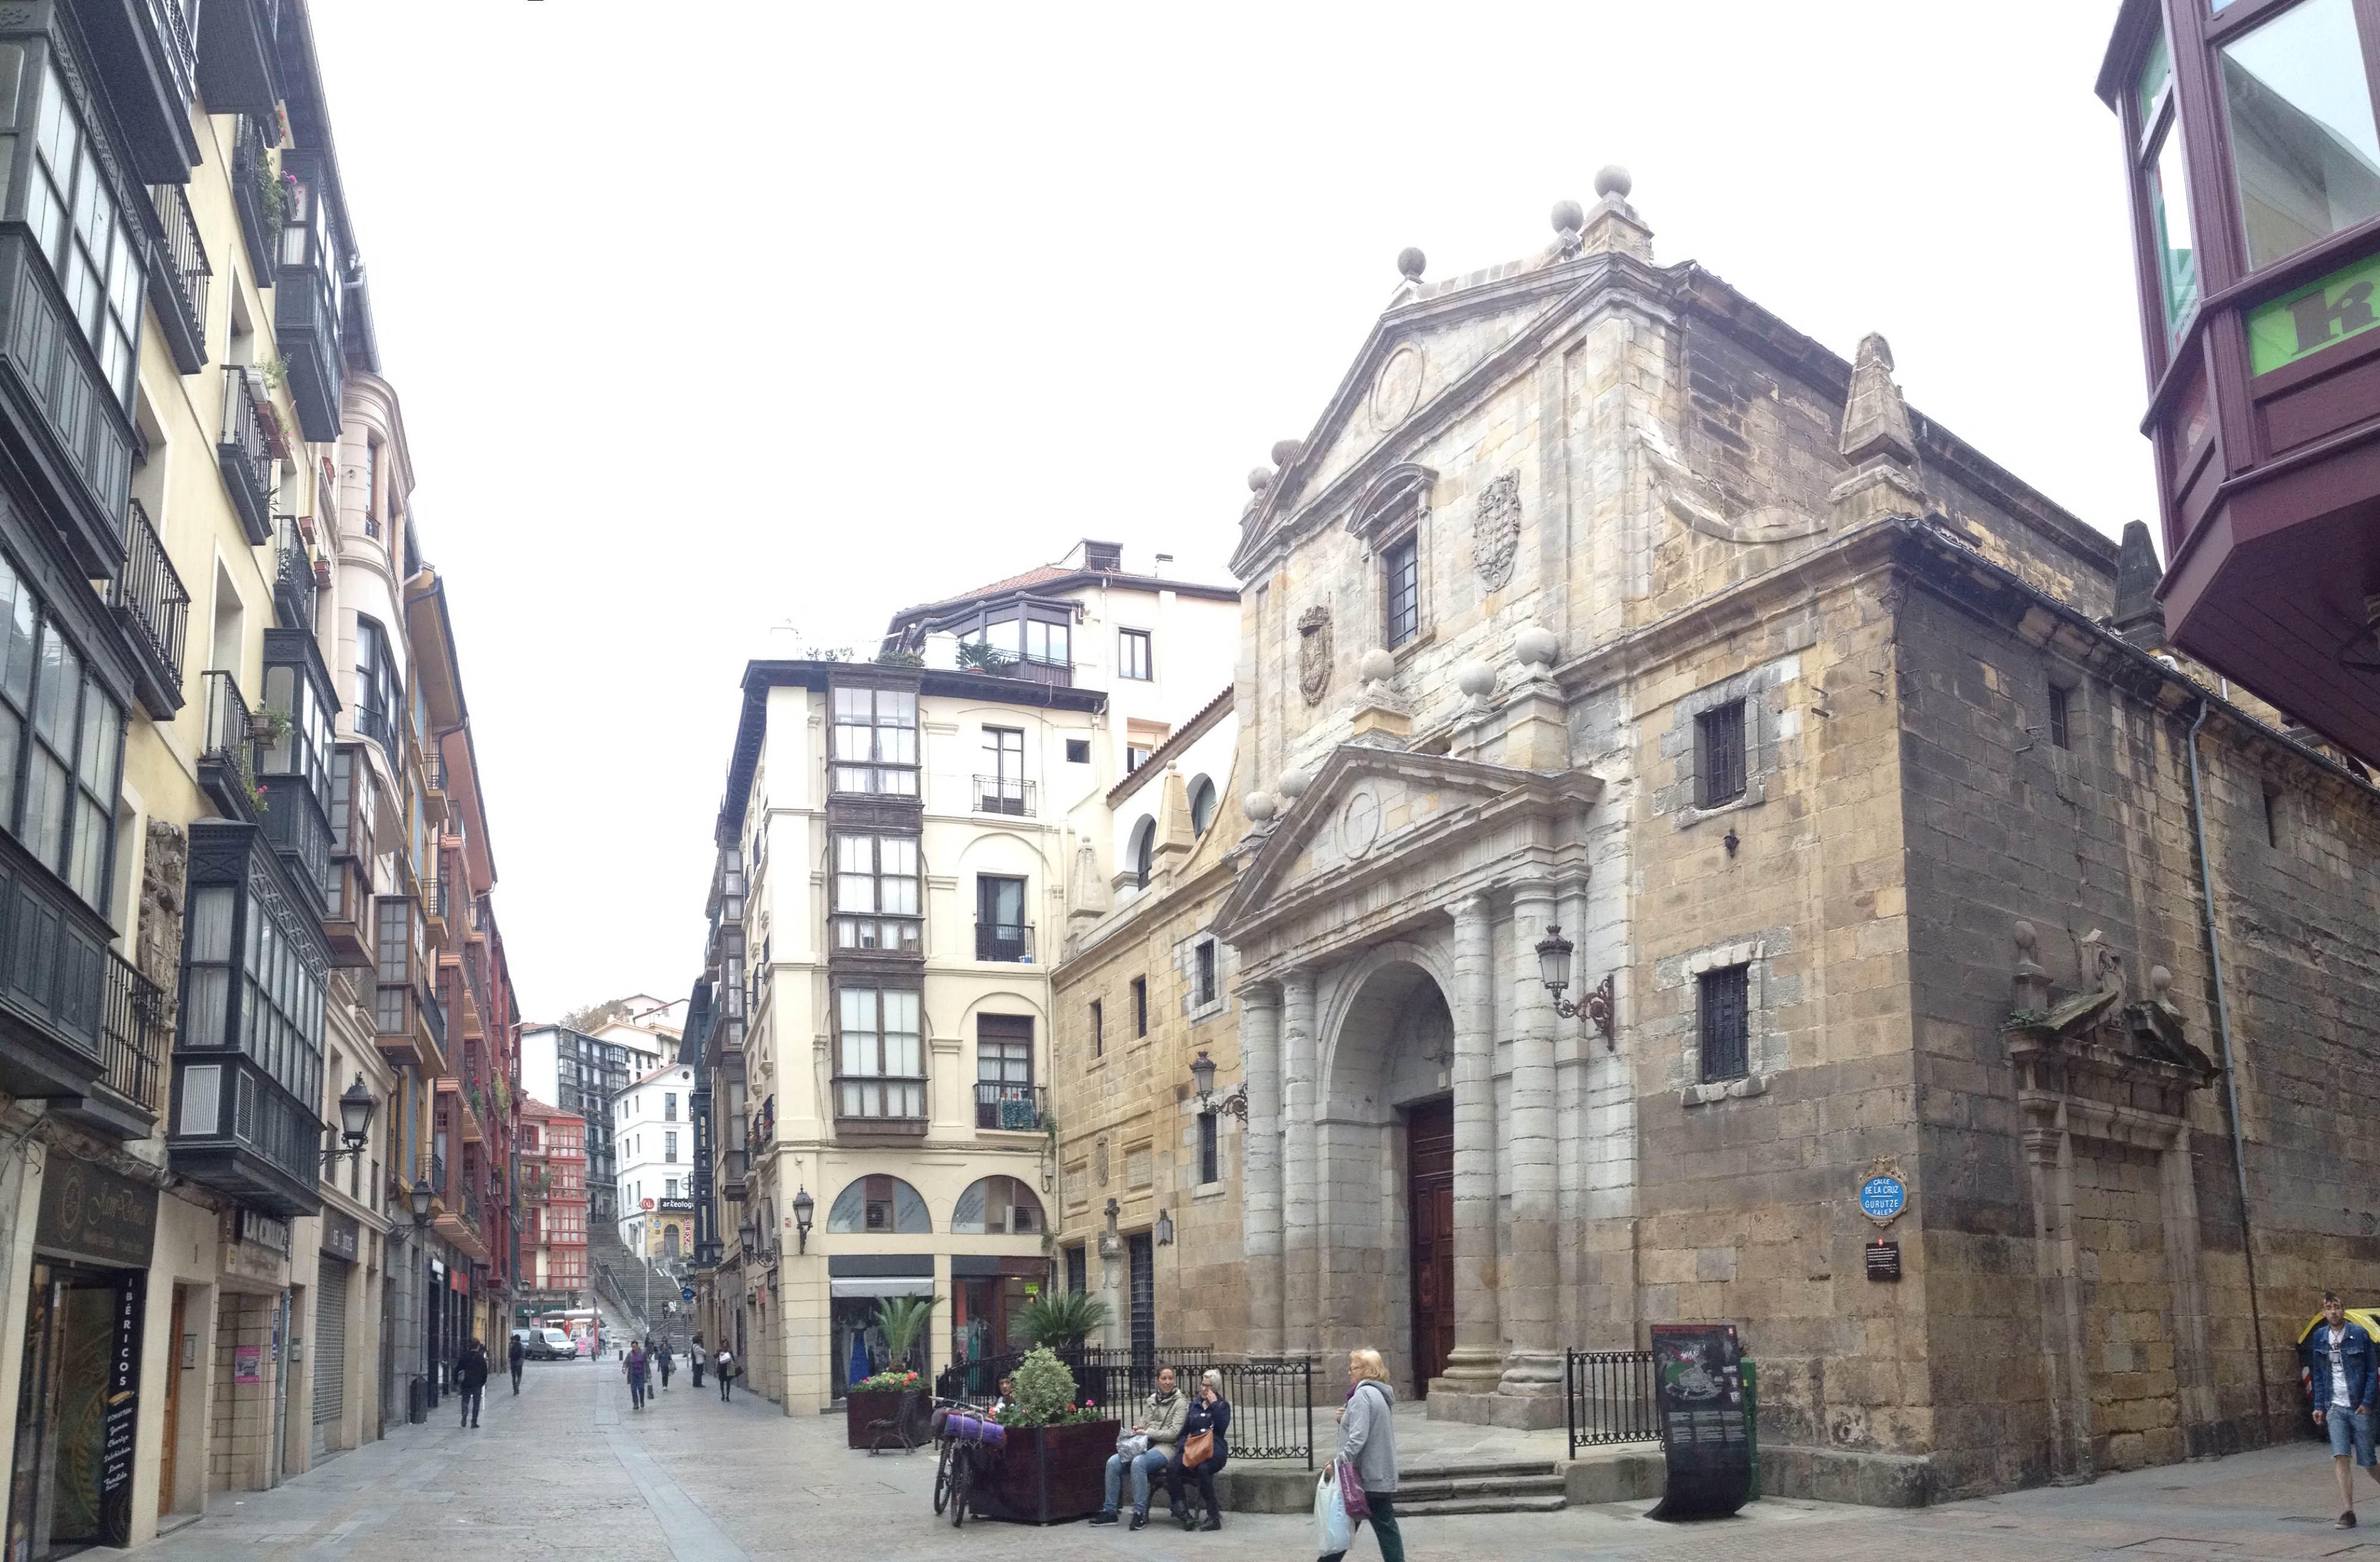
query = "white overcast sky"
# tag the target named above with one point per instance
(713, 316)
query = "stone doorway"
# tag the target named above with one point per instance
(1430, 1223)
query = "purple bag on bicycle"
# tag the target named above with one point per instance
(1351, 1492)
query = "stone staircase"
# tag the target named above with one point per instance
(624, 1294)
(1480, 1486)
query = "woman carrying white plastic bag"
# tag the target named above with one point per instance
(1332, 1534)
(1367, 1450)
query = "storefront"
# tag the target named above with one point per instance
(856, 1283)
(334, 1278)
(987, 1296)
(78, 1402)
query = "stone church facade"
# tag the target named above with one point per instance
(1601, 600)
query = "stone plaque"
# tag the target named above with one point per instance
(1314, 654)
(1496, 532)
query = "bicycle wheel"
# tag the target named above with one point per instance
(962, 1477)
(943, 1480)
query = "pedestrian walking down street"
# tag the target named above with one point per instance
(472, 1378)
(514, 1356)
(661, 1355)
(2343, 1368)
(694, 1360)
(1368, 1442)
(726, 1365)
(635, 1367)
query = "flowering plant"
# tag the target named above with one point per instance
(888, 1382)
(1045, 1395)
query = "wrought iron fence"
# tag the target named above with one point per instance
(1271, 1397)
(1611, 1396)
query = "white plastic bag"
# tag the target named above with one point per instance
(1132, 1444)
(1332, 1534)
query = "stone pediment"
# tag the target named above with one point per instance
(1372, 811)
(1424, 361)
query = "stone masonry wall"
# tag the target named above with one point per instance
(2004, 823)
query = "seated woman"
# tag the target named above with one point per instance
(1210, 1413)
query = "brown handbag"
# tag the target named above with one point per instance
(1197, 1449)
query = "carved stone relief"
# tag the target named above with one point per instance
(1496, 532)
(165, 876)
(1314, 654)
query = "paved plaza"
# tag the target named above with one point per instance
(567, 1470)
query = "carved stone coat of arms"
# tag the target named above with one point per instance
(1314, 654)
(1496, 532)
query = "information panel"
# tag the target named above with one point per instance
(1698, 1372)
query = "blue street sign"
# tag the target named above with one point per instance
(685, 1294)
(1883, 1198)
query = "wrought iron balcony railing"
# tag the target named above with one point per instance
(148, 596)
(1004, 794)
(1010, 942)
(227, 747)
(134, 1036)
(180, 274)
(244, 451)
(1015, 1108)
(293, 574)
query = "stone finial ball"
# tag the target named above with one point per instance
(1260, 479)
(1378, 666)
(2025, 936)
(1612, 179)
(1293, 784)
(2160, 979)
(1410, 262)
(1568, 216)
(1536, 646)
(1475, 679)
(1259, 805)
(1286, 451)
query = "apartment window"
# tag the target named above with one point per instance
(882, 1069)
(1205, 959)
(1719, 755)
(1000, 788)
(1078, 751)
(1724, 998)
(1402, 579)
(378, 688)
(92, 251)
(1210, 1156)
(1049, 644)
(1135, 755)
(1098, 1030)
(1140, 1006)
(2303, 147)
(876, 893)
(2060, 733)
(669, 1184)
(1132, 656)
(669, 1106)
(1001, 931)
(65, 811)
(1003, 1072)
(1078, 1270)
(669, 1146)
(996, 1207)
(876, 741)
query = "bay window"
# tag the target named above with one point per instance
(2305, 152)
(876, 741)
(61, 746)
(880, 1065)
(876, 899)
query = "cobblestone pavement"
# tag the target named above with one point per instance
(568, 1470)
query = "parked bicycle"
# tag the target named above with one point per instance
(968, 1440)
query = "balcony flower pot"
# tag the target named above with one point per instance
(1047, 1474)
(322, 573)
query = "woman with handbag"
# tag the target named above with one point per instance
(1366, 1464)
(1205, 1446)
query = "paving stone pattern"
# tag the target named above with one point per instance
(568, 1470)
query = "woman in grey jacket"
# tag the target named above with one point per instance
(1367, 1440)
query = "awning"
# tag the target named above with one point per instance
(881, 1285)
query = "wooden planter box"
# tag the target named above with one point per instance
(1047, 1474)
(863, 1411)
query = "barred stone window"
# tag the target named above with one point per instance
(1725, 1009)
(1718, 757)
(2060, 731)
(1209, 1150)
(1402, 565)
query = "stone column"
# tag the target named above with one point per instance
(1260, 1165)
(1533, 1369)
(1300, 1168)
(1478, 1360)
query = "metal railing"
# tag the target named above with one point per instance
(376, 725)
(148, 593)
(251, 176)
(438, 1174)
(245, 451)
(1018, 1107)
(434, 1013)
(173, 21)
(1611, 1397)
(293, 571)
(186, 253)
(133, 1036)
(1271, 1396)
(1011, 941)
(230, 733)
(1004, 794)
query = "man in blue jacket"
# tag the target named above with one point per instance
(2344, 1369)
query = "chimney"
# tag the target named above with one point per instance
(1164, 570)
(1102, 557)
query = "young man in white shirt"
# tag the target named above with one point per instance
(2343, 1367)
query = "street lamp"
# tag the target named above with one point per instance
(746, 1233)
(421, 1197)
(355, 1124)
(804, 1208)
(1553, 969)
(1202, 1077)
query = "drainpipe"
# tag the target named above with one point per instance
(2230, 1073)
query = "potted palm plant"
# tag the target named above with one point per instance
(877, 1398)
